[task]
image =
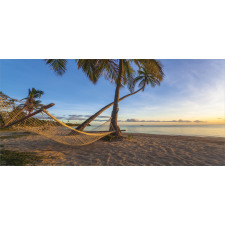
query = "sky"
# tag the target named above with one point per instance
(192, 92)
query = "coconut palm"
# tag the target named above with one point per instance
(145, 77)
(31, 100)
(19, 111)
(118, 71)
(152, 66)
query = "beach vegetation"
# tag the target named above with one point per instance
(108, 137)
(16, 135)
(130, 137)
(16, 158)
(32, 101)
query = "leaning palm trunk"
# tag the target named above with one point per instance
(82, 126)
(113, 125)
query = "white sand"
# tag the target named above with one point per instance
(142, 150)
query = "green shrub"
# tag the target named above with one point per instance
(108, 137)
(129, 137)
(15, 158)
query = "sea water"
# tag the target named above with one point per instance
(186, 130)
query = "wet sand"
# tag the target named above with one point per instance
(141, 150)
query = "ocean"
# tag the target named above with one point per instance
(186, 130)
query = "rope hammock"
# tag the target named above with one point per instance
(21, 116)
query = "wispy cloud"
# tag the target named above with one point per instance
(103, 116)
(84, 117)
(75, 117)
(164, 121)
(96, 120)
(43, 117)
(199, 121)
(194, 88)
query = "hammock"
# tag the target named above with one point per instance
(15, 113)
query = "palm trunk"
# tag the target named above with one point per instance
(113, 125)
(90, 119)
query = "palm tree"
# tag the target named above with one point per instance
(118, 71)
(151, 66)
(21, 109)
(145, 77)
(31, 100)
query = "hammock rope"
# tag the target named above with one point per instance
(40, 121)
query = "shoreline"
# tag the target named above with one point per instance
(222, 139)
(137, 150)
(177, 135)
(9, 132)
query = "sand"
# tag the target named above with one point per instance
(141, 150)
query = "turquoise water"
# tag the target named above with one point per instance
(186, 130)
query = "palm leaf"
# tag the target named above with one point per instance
(57, 65)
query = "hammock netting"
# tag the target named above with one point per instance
(14, 113)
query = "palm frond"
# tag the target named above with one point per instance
(57, 65)
(150, 73)
(128, 72)
(94, 68)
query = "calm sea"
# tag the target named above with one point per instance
(187, 130)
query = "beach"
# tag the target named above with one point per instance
(135, 150)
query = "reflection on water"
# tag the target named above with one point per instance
(188, 130)
(192, 130)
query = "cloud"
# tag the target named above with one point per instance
(83, 117)
(183, 121)
(164, 121)
(132, 120)
(100, 120)
(60, 117)
(103, 116)
(76, 117)
(191, 89)
(57, 117)
(198, 121)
